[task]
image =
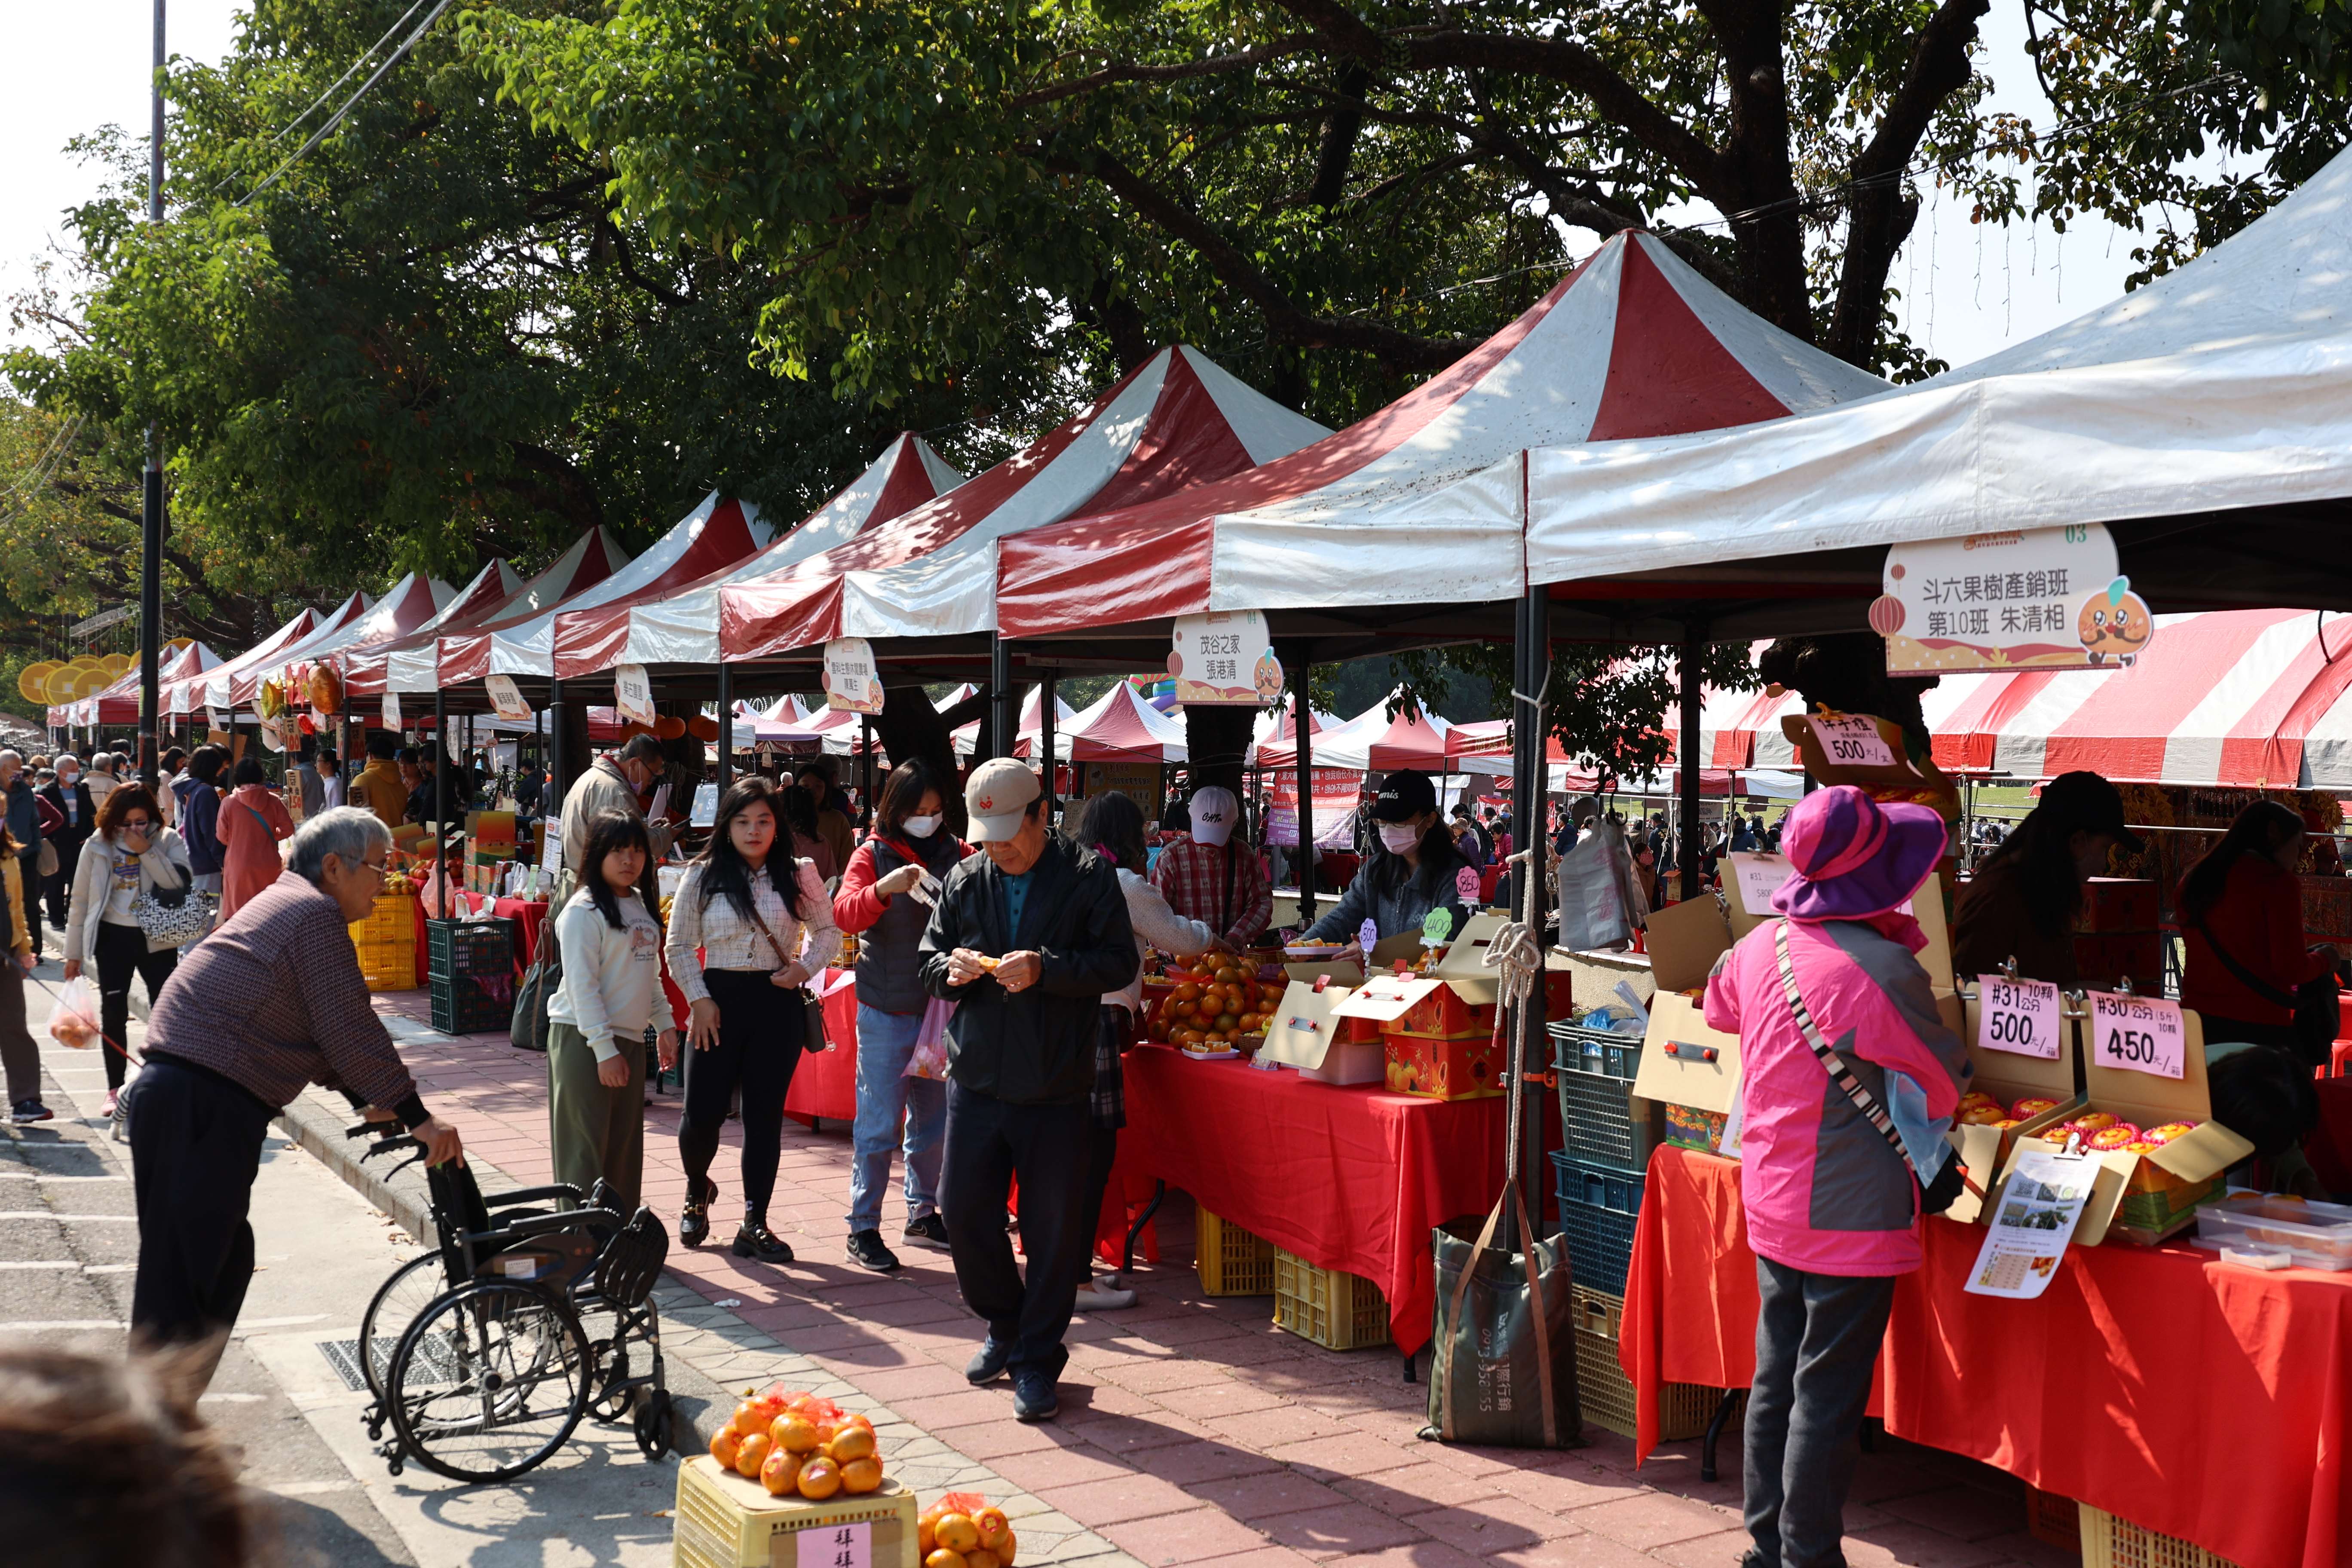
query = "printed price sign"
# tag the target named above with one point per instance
(392, 710)
(2136, 1033)
(633, 694)
(2021, 1016)
(850, 679)
(505, 698)
(830, 1546)
(1852, 741)
(1760, 877)
(1465, 886)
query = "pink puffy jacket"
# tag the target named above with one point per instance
(1823, 1190)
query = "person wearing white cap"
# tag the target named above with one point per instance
(1209, 878)
(1026, 938)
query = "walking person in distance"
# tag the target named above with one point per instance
(1027, 937)
(130, 856)
(764, 927)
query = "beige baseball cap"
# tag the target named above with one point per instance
(997, 797)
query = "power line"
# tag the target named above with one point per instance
(321, 135)
(352, 71)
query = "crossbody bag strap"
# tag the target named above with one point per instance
(2244, 976)
(1839, 1074)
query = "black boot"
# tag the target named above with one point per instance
(756, 1240)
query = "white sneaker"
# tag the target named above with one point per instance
(1102, 1299)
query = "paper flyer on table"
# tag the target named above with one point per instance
(2041, 1203)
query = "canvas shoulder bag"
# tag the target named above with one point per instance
(540, 982)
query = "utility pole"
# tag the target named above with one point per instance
(151, 509)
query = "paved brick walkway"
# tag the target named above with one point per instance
(1192, 1429)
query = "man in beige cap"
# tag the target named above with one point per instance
(1026, 938)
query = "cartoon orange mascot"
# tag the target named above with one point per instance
(2115, 625)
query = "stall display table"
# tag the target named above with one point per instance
(2195, 1398)
(1346, 1178)
(529, 916)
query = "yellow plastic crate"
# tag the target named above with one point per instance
(2112, 1542)
(1607, 1394)
(393, 918)
(2052, 1519)
(1337, 1311)
(1229, 1260)
(722, 1520)
(387, 966)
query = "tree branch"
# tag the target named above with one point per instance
(1214, 64)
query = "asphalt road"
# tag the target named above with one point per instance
(68, 1242)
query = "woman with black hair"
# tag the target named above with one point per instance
(596, 1020)
(1411, 868)
(798, 808)
(758, 915)
(1112, 826)
(883, 897)
(2025, 900)
(2241, 913)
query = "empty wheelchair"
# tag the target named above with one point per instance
(532, 1311)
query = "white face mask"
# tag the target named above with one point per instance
(1398, 837)
(921, 826)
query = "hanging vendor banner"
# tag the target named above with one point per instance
(392, 710)
(506, 700)
(852, 681)
(1139, 782)
(633, 694)
(1336, 791)
(216, 719)
(1224, 659)
(2042, 598)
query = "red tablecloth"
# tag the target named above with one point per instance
(1489, 879)
(529, 916)
(2205, 1400)
(1346, 1178)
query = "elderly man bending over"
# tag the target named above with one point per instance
(271, 1001)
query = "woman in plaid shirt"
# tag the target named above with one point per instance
(1112, 826)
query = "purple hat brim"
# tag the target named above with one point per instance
(1917, 838)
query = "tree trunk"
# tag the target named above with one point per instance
(908, 726)
(1217, 740)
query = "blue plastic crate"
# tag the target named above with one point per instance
(1598, 1205)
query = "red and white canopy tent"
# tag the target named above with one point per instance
(364, 665)
(1175, 421)
(1372, 741)
(186, 694)
(682, 627)
(408, 604)
(1280, 724)
(119, 702)
(213, 688)
(1422, 503)
(965, 738)
(716, 534)
(1120, 726)
(413, 664)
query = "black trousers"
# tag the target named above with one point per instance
(1817, 1338)
(195, 1147)
(120, 956)
(1050, 1148)
(760, 1038)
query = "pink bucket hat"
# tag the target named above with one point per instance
(1854, 857)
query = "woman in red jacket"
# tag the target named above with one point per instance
(2242, 919)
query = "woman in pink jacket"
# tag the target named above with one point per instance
(252, 821)
(1832, 1209)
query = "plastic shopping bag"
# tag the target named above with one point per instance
(930, 1057)
(74, 1021)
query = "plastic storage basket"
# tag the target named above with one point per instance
(2112, 1542)
(1607, 1394)
(1593, 1070)
(1337, 1311)
(469, 947)
(1229, 1260)
(1598, 1204)
(471, 1004)
(2052, 1519)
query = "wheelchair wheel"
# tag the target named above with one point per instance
(489, 1381)
(399, 1301)
(652, 1425)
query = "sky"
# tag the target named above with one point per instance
(72, 68)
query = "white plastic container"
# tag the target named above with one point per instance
(2318, 1236)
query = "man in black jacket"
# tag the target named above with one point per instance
(70, 796)
(1026, 938)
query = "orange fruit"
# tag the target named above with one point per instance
(1185, 994)
(943, 1558)
(851, 1443)
(956, 1533)
(748, 1418)
(981, 1557)
(860, 1476)
(1227, 1023)
(925, 1541)
(1011, 1544)
(723, 1444)
(751, 1454)
(819, 1478)
(795, 1432)
(993, 1528)
(1228, 973)
(781, 1472)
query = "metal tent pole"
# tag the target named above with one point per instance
(1004, 710)
(1301, 721)
(553, 807)
(150, 495)
(441, 794)
(1528, 781)
(726, 726)
(1686, 853)
(1045, 736)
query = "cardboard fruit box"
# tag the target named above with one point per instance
(1446, 1067)
(2009, 1078)
(2189, 1162)
(1305, 1035)
(1689, 1068)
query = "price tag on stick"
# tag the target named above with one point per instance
(2023, 1017)
(2138, 1034)
(1851, 741)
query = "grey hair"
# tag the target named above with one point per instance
(641, 748)
(12, 755)
(65, 757)
(347, 833)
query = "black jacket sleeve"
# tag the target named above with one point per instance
(1100, 956)
(948, 930)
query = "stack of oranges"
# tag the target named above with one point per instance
(960, 1531)
(1211, 1011)
(796, 1442)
